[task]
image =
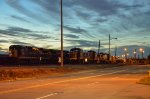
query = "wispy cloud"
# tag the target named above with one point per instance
(4, 41)
(75, 30)
(16, 42)
(20, 18)
(35, 13)
(85, 22)
(71, 36)
(85, 44)
(18, 29)
(14, 31)
(106, 7)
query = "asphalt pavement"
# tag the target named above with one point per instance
(106, 83)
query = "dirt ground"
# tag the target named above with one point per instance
(18, 72)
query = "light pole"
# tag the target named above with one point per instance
(134, 52)
(99, 47)
(126, 54)
(125, 50)
(99, 51)
(115, 51)
(61, 14)
(109, 46)
(142, 52)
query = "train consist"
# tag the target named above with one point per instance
(33, 55)
(77, 55)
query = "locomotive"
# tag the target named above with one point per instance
(33, 55)
(91, 57)
(76, 55)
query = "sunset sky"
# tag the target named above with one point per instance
(37, 23)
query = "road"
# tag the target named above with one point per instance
(108, 83)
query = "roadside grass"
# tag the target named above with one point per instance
(145, 81)
(18, 73)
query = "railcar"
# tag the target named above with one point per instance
(91, 57)
(76, 56)
(103, 58)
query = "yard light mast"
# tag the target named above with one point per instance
(109, 46)
(99, 47)
(61, 14)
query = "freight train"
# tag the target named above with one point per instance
(33, 55)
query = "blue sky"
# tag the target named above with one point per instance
(37, 23)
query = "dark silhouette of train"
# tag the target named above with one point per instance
(33, 55)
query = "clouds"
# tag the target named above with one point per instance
(71, 36)
(39, 36)
(20, 18)
(48, 5)
(16, 42)
(18, 29)
(75, 30)
(85, 22)
(3, 41)
(23, 36)
(31, 10)
(85, 44)
(14, 31)
(22, 32)
(101, 6)
(112, 16)
(106, 7)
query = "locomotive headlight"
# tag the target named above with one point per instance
(86, 60)
(10, 53)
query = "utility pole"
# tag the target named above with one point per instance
(98, 52)
(134, 53)
(115, 51)
(99, 47)
(149, 51)
(109, 48)
(61, 14)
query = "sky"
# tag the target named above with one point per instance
(37, 23)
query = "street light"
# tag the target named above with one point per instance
(142, 52)
(125, 53)
(61, 14)
(109, 45)
(140, 49)
(134, 52)
(125, 49)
